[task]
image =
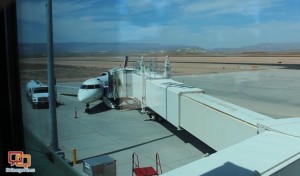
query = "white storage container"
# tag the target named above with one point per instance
(100, 166)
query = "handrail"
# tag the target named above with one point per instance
(158, 163)
(135, 164)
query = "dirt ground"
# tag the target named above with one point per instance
(69, 69)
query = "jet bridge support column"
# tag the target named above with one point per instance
(167, 71)
(143, 104)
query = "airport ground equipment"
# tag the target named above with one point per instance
(37, 93)
(100, 166)
(145, 171)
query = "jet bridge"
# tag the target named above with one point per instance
(231, 130)
(217, 123)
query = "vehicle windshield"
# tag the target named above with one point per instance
(97, 86)
(41, 90)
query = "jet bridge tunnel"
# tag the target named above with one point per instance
(219, 124)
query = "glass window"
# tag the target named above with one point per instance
(234, 57)
(83, 86)
(90, 86)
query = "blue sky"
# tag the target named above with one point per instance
(204, 23)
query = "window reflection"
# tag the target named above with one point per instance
(206, 41)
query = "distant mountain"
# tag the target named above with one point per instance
(88, 49)
(266, 47)
(192, 50)
(40, 49)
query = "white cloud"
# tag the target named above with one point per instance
(230, 36)
(217, 7)
(84, 29)
(69, 6)
(129, 32)
(217, 36)
(72, 22)
(35, 11)
(280, 31)
(142, 6)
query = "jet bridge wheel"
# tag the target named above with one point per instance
(159, 119)
(87, 109)
(154, 116)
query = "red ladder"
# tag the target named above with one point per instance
(144, 171)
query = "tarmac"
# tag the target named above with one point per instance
(120, 133)
(114, 133)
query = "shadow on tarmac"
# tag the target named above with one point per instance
(187, 137)
(99, 108)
